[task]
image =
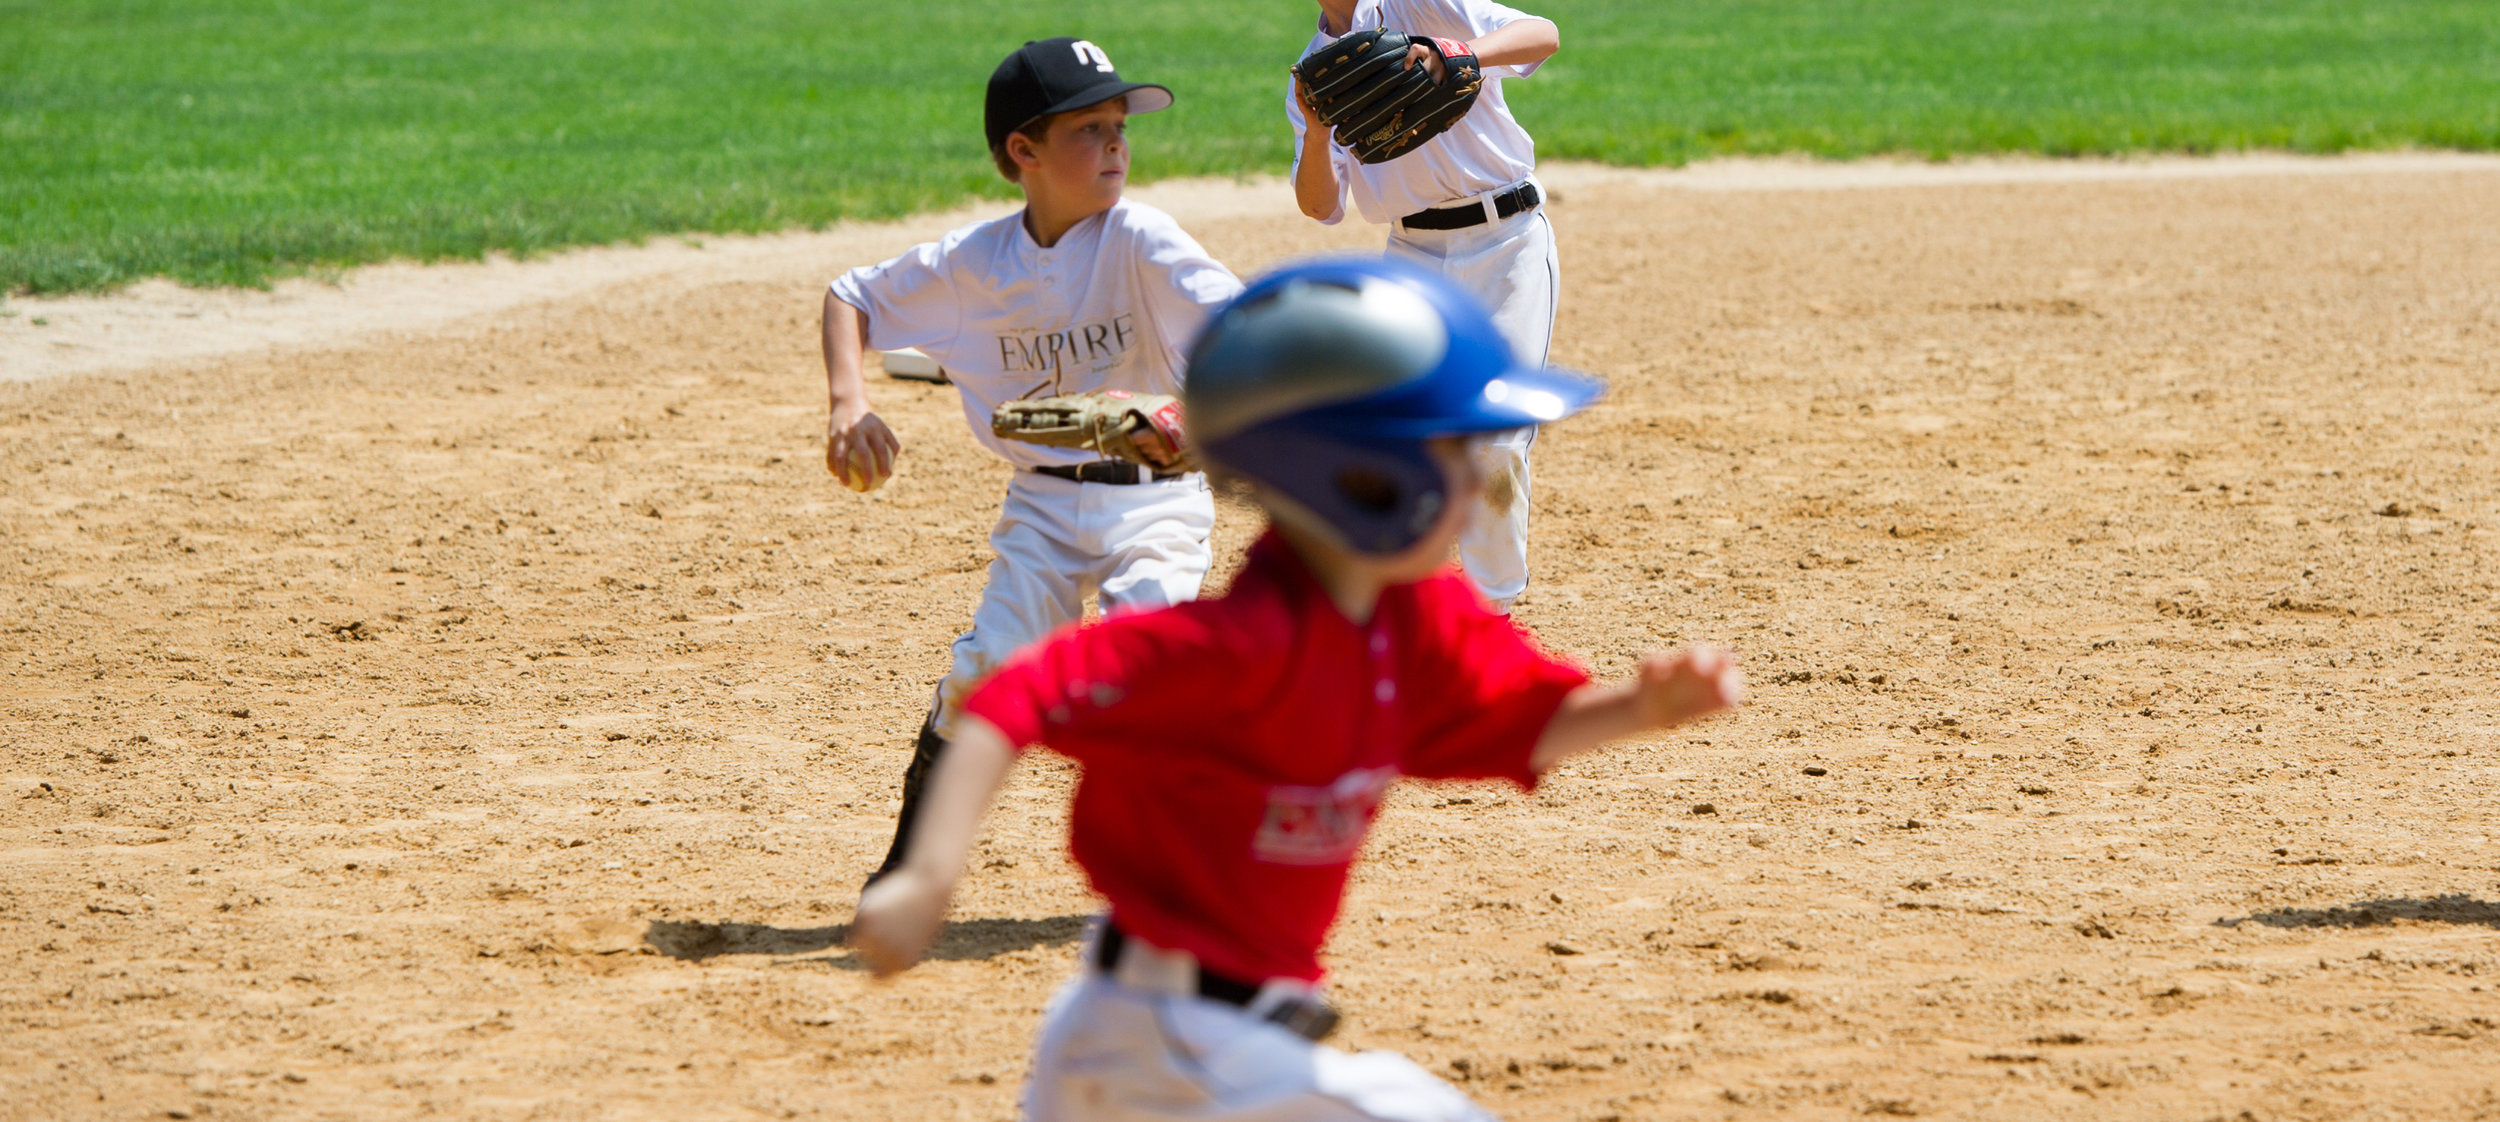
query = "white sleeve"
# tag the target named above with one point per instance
(1301, 125)
(1484, 17)
(910, 300)
(1182, 285)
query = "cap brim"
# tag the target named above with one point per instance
(1143, 97)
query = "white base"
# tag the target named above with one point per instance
(909, 363)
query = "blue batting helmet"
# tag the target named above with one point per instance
(1322, 381)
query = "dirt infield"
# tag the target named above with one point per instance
(495, 721)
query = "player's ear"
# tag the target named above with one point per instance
(1022, 150)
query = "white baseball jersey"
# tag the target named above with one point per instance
(1485, 151)
(1111, 307)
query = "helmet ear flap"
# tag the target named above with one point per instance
(1375, 496)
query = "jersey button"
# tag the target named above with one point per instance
(1385, 690)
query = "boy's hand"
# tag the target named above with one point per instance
(860, 450)
(1154, 449)
(1688, 685)
(1430, 60)
(1310, 112)
(899, 916)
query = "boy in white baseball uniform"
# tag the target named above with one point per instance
(1080, 291)
(1466, 205)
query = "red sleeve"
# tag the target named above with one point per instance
(1494, 691)
(1126, 682)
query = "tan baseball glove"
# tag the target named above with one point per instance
(1142, 428)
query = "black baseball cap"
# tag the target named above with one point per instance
(1054, 76)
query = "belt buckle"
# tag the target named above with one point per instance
(1521, 198)
(1309, 1018)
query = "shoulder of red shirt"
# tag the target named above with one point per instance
(1272, 598)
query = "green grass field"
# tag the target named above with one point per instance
(227, 143)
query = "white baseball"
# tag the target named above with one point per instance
(862, 475)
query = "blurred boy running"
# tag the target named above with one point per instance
(1234, 751)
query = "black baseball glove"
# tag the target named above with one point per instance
(1380, 106)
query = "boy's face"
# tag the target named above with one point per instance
(1082, 159)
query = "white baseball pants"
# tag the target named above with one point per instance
(1511, 266)
(1144, 1047)
(1057, 541)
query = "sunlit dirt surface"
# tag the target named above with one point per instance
(498, 722)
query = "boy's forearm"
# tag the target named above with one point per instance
(1518, 43)
(1315, 187)
(968, 774)
(900, 914)
(1589, 717)
(1669, 690)
(846, 348)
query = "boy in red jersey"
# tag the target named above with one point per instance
(1235, 750)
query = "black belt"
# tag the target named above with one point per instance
(1522, 197)
(1108, 471)
(1309, 1018)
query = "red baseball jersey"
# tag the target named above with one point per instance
(1234, 751)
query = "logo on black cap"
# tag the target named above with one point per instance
(1055, 76)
